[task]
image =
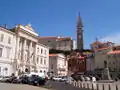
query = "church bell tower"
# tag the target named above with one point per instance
(79, 33)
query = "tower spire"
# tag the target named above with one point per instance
(79, 33)
(79, 21)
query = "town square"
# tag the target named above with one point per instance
(59, 45)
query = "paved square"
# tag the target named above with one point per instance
(5, 86)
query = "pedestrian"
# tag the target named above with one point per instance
(94, 82)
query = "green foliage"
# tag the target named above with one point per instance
(59, 51)
(52, 51)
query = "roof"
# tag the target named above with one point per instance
(49, 37)
(79, 21)
(114, 52)
(63, 38)
(96, 42)
(102, 48)
(55, 37)
(6, 30)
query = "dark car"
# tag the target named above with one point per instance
(24, 79)
(37, 80)
(34, 80)
(42, 81)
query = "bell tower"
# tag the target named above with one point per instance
(79, 33)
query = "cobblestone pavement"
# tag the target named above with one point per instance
(5, 86)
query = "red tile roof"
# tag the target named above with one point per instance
(114, 52)
(102, 48)
(52, 55)
(49, 37)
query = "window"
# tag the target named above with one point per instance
(38, 50)
(8, 53)
(41, 71)
(2, 37)
(65, 63)
(65, 44)
(37, 59)
(113, 62)
(6, 70)
(1, 52)
(45, 61)
(51, 66)
(45, 52)
(41, 60)
(41, 50)
(0, 70)
(9, 40)
(44, 71)
(48, 41)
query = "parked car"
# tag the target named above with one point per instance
(24, 79)
(63, 79)
(34, 80)
(57, 78)
(69, 80)
(4, 79)
(37, 79)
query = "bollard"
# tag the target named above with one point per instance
(97, 88)
(109, 87)
(92, 87)
(103, 87)
(80, 85)
(116, 87)
(88, 85)
(83, 85)
(75, 83)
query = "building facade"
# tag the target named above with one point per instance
(100, 50)
(21, 52)
(58, 43)
(58, 65)
(113, 57)
(76, 63)
(42, 58)
(7, 51)
(90, 63)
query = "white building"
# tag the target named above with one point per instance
(58, 43)
(58, 64)
(7, 51)
(42, 58)
(19, 51)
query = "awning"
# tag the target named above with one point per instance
(114, 52)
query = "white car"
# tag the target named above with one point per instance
(57, 78)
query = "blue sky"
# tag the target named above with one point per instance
(101, 18)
